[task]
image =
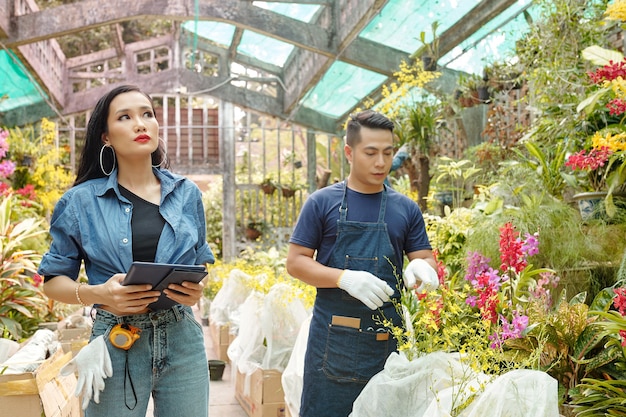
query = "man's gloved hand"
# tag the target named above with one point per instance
(93, 364)
(419, 269)
(365, 287)
(403, 152)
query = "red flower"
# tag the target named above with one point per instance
(511, 253)
(591, 161)
(609, 72)
(37, 280)
(620, 300)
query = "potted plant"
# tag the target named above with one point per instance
(472, 90)
(602, 158)
(268, 185)
(429, 53)
(453, 180)
(255, 229)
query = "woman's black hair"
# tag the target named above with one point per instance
(89, 164)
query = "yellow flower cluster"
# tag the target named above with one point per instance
(49, 177)
(615, 142)
(265, 274)
(617, 10)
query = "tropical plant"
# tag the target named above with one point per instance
(429, 52)
(605, 392)
(547, 163)
(603, 156)
(454, 176)
(418, 125)
(23, 306)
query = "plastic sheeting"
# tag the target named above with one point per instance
(434, 384)
(268, 330)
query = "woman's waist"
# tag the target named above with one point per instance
(144, 319)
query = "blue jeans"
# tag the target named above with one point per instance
(168, 361)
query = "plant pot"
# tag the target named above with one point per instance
(252, 234)
(590, 205)
(288, 192)
(268, 188)
(430, 64)
(216, 369)
(483, 94)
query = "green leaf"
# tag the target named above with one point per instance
(601, 56)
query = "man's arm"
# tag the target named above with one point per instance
(300, 264)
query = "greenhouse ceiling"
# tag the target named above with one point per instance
(309, 61)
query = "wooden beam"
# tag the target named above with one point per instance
(6, 11)
(481, 14)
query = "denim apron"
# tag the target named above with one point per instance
(346, 344)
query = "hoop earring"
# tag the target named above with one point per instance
(163, 156)
(102, 158)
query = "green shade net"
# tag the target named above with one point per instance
(20, 99)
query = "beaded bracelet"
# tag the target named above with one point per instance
(78, 296)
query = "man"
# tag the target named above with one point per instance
(349, 241)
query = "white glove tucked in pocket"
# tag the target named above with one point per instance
(93, 365)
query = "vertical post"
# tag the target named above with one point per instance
(311, 160)
(227, 165)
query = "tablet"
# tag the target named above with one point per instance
(161, 275)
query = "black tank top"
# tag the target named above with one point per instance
(146, 225)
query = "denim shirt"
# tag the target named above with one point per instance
(91, 223)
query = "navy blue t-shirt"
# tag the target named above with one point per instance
(316, 227)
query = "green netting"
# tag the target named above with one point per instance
(494, 42)
(341, 88)
(20, 99)
(400, 22)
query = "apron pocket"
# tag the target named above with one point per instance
(354, 355)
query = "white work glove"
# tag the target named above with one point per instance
(365, 287)
(420, 270)
(93, 364)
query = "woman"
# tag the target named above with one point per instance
(125, 207)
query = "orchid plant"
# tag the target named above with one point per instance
(481, 311)
(603, 160)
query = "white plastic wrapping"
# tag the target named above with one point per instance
(269, 325)
(225, 305)
(39, 347)
(430, 386)
(294, 372)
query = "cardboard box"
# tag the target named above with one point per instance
(73, 340)
(261, 394)
(221, 340)
(42, 392)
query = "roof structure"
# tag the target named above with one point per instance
(310, 62)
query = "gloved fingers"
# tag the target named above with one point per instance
(97, 387)
(80, 385)
(409, 280)
(85, 402)
(381, 292)
(108, 367)
(69, 368)
(372, 303)
(88, 388)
